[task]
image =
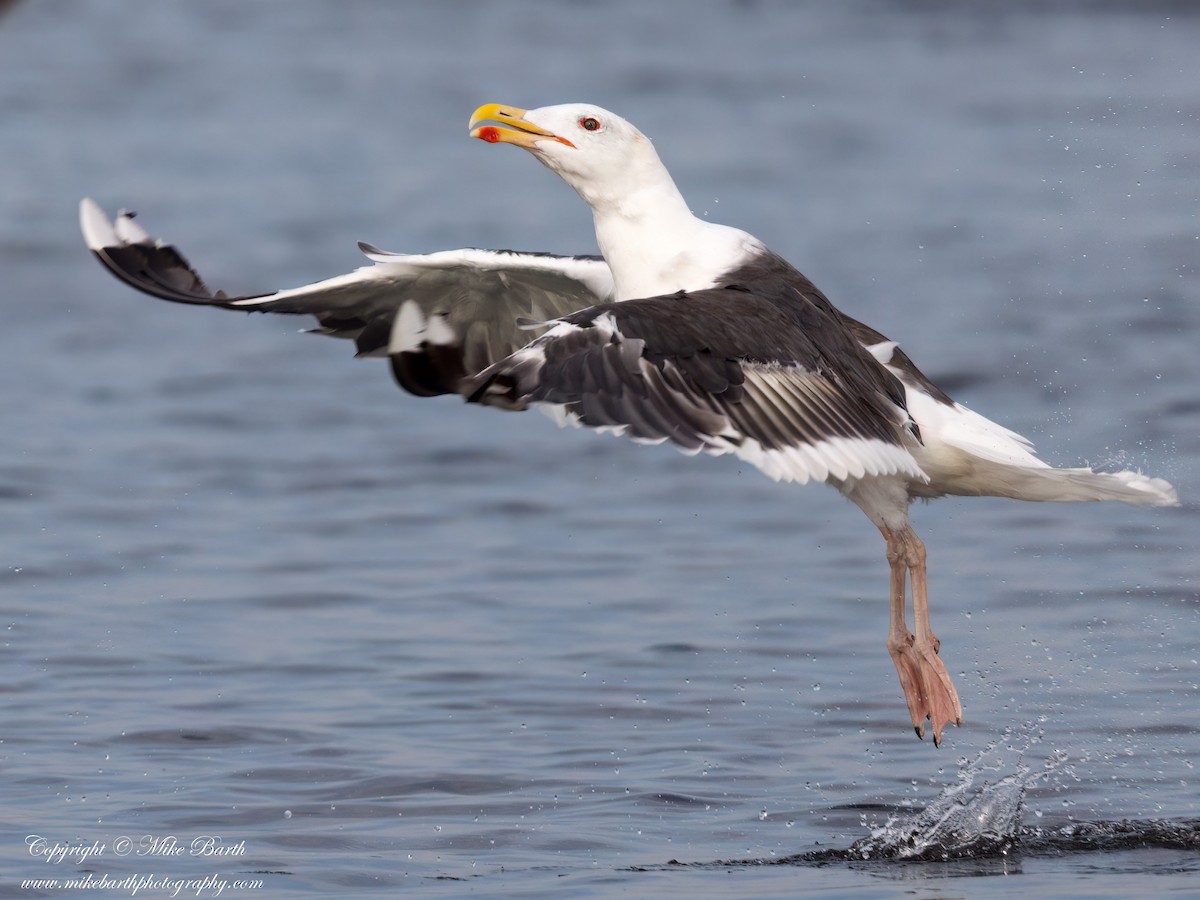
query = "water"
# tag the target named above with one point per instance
(250, 590)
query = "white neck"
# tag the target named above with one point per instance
(652, 242)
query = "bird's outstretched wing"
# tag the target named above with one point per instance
(440, 317)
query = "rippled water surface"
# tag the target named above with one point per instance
(375, 643)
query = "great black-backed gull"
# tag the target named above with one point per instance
(683, 331)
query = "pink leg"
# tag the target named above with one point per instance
(928, 689)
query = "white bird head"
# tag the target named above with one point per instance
(650, 239)
(602, 156)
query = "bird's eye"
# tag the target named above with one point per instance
(588, 123)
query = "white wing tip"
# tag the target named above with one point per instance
(129, 231)
(99, 233)
(97, 230)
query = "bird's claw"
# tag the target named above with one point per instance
(928, 690)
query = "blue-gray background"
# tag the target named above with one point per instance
(250, 589)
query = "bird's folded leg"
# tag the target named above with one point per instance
(928, 690)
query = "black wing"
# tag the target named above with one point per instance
(758, 369)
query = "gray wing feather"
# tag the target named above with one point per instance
(491, 302)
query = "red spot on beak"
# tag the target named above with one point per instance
(489, 133)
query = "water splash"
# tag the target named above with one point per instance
(978, 816)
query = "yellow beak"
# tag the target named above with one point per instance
(521, 132)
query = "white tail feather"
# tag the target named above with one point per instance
(1080, 485)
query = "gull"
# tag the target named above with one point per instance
(681, 331)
